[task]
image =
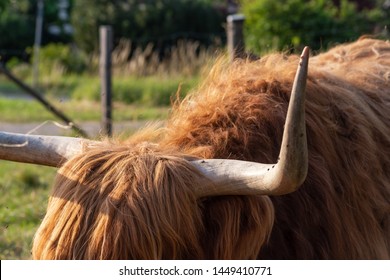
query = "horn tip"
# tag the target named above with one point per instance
(305, 55)
(305, 52)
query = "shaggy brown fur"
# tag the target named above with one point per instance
(135, 200)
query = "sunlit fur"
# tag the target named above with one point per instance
(136, 200)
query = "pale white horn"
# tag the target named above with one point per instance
(39, 149)
(233, 177)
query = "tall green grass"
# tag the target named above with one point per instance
(148, 91)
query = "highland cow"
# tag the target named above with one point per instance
(159, 194)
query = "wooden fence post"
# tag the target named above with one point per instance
(106, 43)
(235, 37)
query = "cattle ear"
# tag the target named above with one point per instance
(232, 177)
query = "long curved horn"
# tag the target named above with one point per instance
(233, 177)
(39, 149)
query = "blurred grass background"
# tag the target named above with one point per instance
(24, 192)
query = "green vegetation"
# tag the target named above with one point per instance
(161, 22)
(281, 25)
(148, 91)
(24, 111)
(135, 98)
(24, 193)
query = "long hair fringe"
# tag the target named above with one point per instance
(122, 202)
